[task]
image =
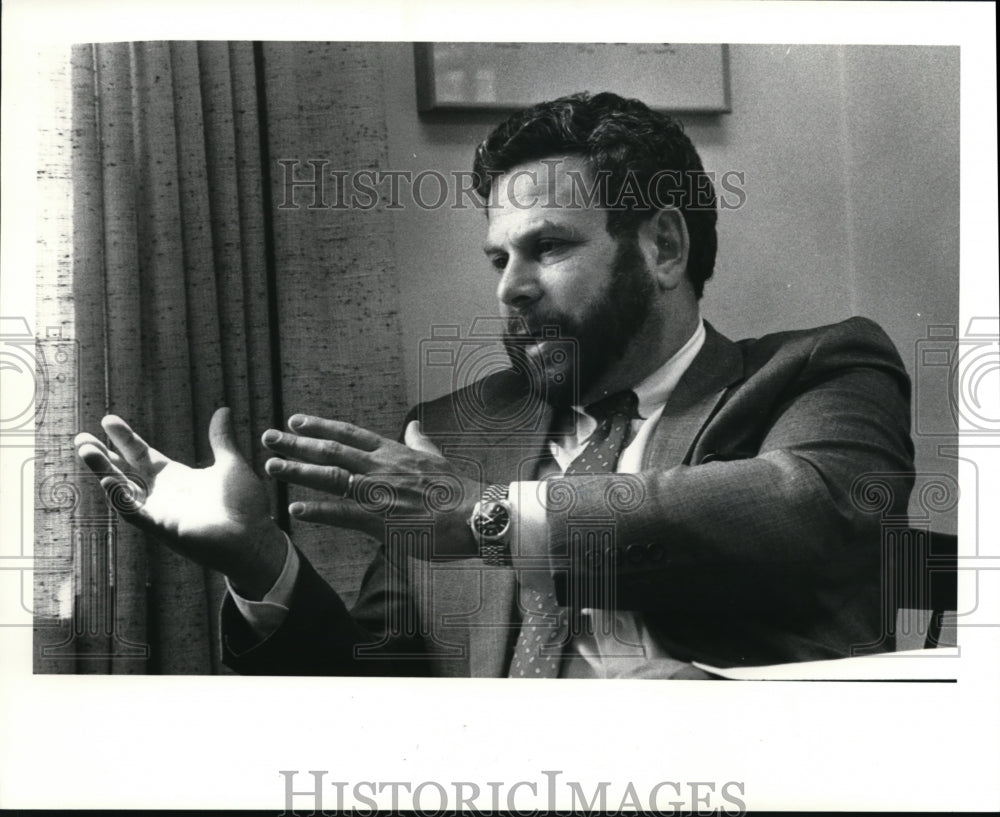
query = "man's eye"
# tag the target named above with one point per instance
(498, 261)
(548, 245)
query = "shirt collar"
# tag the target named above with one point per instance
(654, 391)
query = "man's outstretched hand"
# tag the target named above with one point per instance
(216, 516)
(370, 480)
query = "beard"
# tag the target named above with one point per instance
(575, 353)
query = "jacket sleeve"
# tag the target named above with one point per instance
(320, 636)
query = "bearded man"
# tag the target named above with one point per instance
(634, 494)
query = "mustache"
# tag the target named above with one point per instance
(520, 329)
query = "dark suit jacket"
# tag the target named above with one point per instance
(742, 541)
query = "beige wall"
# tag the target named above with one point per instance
(851, 162)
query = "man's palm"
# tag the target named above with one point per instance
(217, 516)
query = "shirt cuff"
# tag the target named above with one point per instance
(268, 614)
(529, 543)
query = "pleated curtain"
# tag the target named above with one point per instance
(189, 290)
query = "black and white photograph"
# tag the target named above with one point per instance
(361, 382)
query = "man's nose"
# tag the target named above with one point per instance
(519, 285)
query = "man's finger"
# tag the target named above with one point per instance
(221, 436)
(329, 479)
(317, 451)
(99, 462)
(136, 451)
(414, 437)
(88, 447)
(338, 513)
(346, 433)
(126, 492)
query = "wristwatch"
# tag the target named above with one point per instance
(490, 523)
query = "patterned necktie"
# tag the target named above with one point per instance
(614, 415)
(544, 629)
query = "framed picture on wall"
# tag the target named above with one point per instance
(675, 77)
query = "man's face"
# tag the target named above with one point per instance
(559, 268)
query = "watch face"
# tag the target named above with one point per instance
(492, 520)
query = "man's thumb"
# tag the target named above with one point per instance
(221, 436)
(415, 438)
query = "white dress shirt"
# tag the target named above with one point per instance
(618, 643)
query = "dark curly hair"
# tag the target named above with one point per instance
(624, 141)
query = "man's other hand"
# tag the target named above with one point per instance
(216, 516)
(371, 481)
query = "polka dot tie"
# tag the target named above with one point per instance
(544, 628)
(614, 415)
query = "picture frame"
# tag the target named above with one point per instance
(507, 76)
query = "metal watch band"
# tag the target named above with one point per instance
(495, 553)
(495, 493)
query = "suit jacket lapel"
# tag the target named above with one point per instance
(717, 366)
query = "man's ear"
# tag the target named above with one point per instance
(664, 242)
